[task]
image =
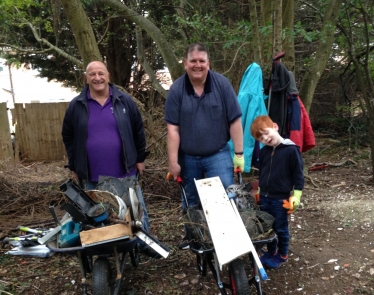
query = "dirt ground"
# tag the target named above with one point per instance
(332, 241)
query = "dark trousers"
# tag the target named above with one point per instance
(280, 225)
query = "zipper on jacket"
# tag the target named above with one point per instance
(86, 106)
(271, 163)
(123, 144)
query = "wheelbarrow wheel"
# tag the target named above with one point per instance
(101, 276)
(238, 278)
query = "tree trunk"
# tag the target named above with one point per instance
(256, 44)
(288, 44)
(82, 30)
(180, 9)
(120, 51)
(314, 72)
(277, 27)
(267, 41)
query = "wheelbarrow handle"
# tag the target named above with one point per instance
(180, 182)
(238, 172)
(170, 177)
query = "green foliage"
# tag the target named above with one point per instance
(19, 4)
(204, 28)
(299, 30)
(48, 27)
(266, 30)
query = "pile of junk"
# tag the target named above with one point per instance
(98, 225)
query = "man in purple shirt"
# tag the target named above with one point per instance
(103, 133)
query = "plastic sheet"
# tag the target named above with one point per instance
(35, 251)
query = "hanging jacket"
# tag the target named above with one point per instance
(277, 89)
(299, 127)
(251, 101)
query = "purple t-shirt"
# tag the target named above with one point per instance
(104, 145)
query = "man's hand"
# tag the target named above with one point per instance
(174, 170)
(140, 167)
(293, 202)
(74, 176)
(238, 162)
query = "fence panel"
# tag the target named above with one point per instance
(6, 149)
(38, 131)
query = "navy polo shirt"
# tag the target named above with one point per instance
(204, 121)
(104, 145)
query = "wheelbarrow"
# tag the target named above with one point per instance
(100, 242)
(226, 263)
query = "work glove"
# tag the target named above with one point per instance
(238, 162)
(257, 196)
(293, 202)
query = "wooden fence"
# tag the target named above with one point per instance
(38, 131)
(6, 149)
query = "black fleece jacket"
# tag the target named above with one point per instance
(130, 126)
(280, 170)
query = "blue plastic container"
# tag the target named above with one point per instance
(99, 212)
(102, 217)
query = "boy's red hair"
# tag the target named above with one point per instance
(260, 124)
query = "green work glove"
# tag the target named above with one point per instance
(238, 162)
(293, 203)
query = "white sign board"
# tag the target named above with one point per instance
(228, 232)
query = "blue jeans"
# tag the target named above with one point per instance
(91, 185)
(196, 167)
(280, 225)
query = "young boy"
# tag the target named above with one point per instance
(280, 173)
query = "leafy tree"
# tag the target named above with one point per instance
(35, 37)
(356, 25)
(141, 37)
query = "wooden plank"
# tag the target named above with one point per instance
(229, 235)
(105, 234)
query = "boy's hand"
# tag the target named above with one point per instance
(238, 162)
(294, 202)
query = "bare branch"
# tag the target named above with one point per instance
(236, 54)
(26, 50)
(148, 69)
(51, 46)
(107, 28)
(315, 8)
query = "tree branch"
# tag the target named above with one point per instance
(148, 69)
(26, 50)
(315, 8)
(233, 61)
(52, 47)
(107, 28)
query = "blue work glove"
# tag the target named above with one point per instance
(238, 162)
(293, 202)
